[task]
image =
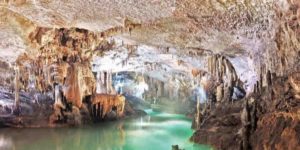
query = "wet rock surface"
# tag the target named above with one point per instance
(37, 111)
(33, 112)
(220, 127)
(265, 121)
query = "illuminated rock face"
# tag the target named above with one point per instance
(294, 81)
(102, 104)
(79, 84)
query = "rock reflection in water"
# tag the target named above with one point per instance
(156, 131)
(109, 136)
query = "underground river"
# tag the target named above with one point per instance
(156, 131)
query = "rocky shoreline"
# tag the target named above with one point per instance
(269, 119)
(36, 114)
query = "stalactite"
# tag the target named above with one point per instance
(97, 110)
(79, 83)
(94, 112)
(101, 87)
(111, 89)
(214, 65)
(220, 92)
(107, 102)
(209, 64)
(98, 81)
(196, 72)
(224, 73)
(294, 80)
(58, 97)
(107, 81)
(158, 89)
(268, 78)
(162, 88)
(17, 86)
(261, 79)
(102, 75)
(257, 87)
(198, 115)
(221, 68)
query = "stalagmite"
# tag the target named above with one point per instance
(245, 119)
(76, 114)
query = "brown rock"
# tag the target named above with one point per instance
(79, 83)
(195, 72)
(104, 103)
(294, 81)
(278, 130)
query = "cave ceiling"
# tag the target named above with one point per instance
(170, 37)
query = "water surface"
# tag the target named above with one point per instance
(156, 131)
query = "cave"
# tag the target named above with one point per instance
(150, 74)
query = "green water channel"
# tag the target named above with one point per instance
(156, 131)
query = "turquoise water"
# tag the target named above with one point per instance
(156, 131)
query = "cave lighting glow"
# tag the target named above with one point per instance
(141, 88)
(200, 92)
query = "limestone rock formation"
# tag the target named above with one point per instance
(102, 104)
(224, 73)
(244, 56)
(294, 81)
(79, 83)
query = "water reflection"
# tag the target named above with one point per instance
(6, 143)
(158, 131)
(110, 137)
